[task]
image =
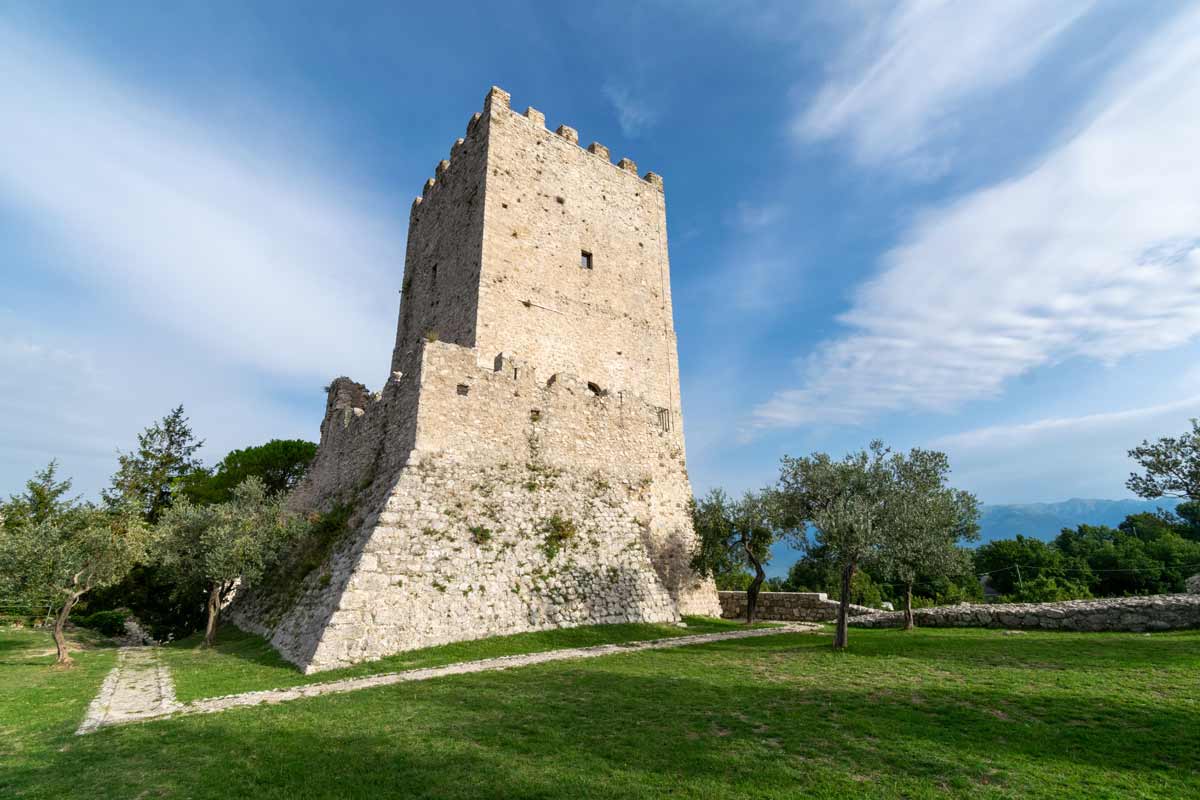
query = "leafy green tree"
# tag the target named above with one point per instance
(148, 477)
(280, 464)
(733, 535)
(1046, 589)
(926, 519)
(1171, 464)
(1003, 560)
(223, 545)
(846, 503)
(56, 549)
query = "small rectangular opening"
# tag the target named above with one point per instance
(462, 389)
(585, 259)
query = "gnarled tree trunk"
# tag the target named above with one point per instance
(60, 640)
(841, 636)
(214, 610)
(755, 585)
(909, 623)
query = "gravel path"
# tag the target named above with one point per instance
(140, 688)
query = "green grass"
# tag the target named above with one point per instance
(934, 713)
(242, 662)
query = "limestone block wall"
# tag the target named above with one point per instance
(440, 293)
(786, 606)
(522, 504)
(548, 200)
(1138, 614)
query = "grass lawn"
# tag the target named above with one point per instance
(935, 713)
(242, 662)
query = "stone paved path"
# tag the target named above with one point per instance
(138, 688)
(123, 698)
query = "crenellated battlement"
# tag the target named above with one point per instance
(500, 101)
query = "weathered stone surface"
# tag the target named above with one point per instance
(1193, 584)
(523, 466)
(787, 606)
(139, 687)
(1154, 613)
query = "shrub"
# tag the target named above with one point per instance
(109, 623)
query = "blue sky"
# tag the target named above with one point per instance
(971, 226)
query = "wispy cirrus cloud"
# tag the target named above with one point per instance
(1094, 253)
(208, 268)
(1050, 451)
(243, 253)
(898, 86)
(634, 113)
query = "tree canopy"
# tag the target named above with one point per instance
(279, 464)
(221, 545)
(147, 477)
(1171, 466)
(733, 535)
(54, 549)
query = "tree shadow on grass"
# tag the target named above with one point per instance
(679, 722)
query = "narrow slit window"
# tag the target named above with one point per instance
(585, 259)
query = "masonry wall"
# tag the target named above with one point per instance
(440, 293)
(518, 470)
(1137, 614)
(548, 200)
(786, 606)
(523, 504)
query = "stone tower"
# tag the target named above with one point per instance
(523, 466)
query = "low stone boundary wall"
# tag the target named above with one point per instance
(1161, 612)
(786, 606)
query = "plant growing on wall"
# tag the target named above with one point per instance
(557, 532)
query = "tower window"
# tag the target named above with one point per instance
(463, 389)
(585, 259)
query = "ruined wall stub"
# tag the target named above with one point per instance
(523, 465)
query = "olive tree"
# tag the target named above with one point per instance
(55, 549)
(845, 502)
(733, 535)
(926, 518)
(223, 545)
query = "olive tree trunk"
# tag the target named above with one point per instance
(841, 636)
(60, 622)
(909, 623)
(214, 610)
(755, 585)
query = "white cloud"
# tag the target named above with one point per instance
(268, 260)
(634, 113)
(750, 218)
(902, 79)
(1095, 253)
(1050, 453)
(225, 270)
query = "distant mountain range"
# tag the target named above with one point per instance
(1045, 520)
